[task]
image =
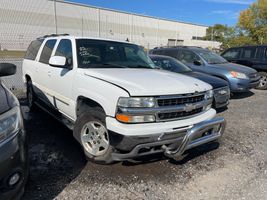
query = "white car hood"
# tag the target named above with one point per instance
(149, 82)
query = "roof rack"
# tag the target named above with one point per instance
(53, 35)
(180, 46)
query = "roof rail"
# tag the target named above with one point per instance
(53, 35)
(178, 46)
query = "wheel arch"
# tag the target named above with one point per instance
(83, 101)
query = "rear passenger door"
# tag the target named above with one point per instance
(247, 56)
(62, 77)
(43, 73)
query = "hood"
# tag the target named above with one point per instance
(4, 105)
(234, 67)
(149, 82)
(213, 81)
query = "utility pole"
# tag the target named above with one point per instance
(82, 26)
(131, 28)
(99, 23)
(55, 12)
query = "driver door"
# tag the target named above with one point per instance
(62, 78)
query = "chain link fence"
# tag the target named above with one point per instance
(14, 82)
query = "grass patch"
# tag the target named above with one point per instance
(12, 54)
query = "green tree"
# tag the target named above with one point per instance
(216, 32)
(253, 22)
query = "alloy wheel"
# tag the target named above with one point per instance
(94, 138)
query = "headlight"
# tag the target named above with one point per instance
(222, 91)
(238, 75)
(9, 123)
(209, 94)
(134, 102)
(125, 104)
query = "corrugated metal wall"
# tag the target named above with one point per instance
(25, 20)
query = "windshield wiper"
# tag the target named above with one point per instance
(141, 66)
(114, 65)
(217, 62)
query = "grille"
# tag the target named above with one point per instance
(254, 77)
(180, 100)
(175, 115)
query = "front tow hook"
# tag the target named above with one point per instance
(197, 136)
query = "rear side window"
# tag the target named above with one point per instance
(65, 49)
(158, 52)
(232, 54)
(172, 53)
(47, 51)
(259, 53)
(33, 49)
(248, 53)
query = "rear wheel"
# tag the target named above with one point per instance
(90, 130)
(263, 81)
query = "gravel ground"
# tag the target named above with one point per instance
(235, 168)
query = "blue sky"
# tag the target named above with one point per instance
(206, 12)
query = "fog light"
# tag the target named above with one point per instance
(217, 128)
(14, 179)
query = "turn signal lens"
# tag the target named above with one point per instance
(135, 119)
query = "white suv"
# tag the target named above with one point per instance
(118, 104)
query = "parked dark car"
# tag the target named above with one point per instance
(251, 56)
(220, 87)
(13, 143)
(240, 78)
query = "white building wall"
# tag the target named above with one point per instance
(24, 20)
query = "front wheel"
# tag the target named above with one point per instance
(90, 130)
(263, 81)
(30, 96)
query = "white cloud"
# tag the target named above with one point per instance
(226, 13)
(242, 2)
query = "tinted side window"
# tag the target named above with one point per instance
(187, 56)
(265, 54)
(158, 52)
(248, 53)
(259, 53)
(65, 49)
(172, 53)
(33, 49)
(47, 51)
(232, 54)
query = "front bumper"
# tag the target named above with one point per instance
(172, 144)
(243, 85)
(13, 159)
(221, 97)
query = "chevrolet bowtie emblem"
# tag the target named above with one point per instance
(189, 107)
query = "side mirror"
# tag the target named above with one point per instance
(58, 61)
(7, 69)
(197, 62)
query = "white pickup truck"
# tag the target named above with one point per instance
(118, 104)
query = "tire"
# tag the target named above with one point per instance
(263, 81)
(31, 97)
(91, 132)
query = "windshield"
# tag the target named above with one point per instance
(212, 58)
(170, 64)
(109, 54)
